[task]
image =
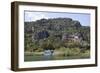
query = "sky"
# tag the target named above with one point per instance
(83, 18)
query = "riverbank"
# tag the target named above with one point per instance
(60, 54)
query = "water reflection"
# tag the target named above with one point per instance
(48, 54)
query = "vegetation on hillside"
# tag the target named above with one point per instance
(58, 34)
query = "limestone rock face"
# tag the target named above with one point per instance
(55, 30)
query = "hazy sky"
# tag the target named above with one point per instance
(84, 19)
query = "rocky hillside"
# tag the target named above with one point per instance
(56, 29)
